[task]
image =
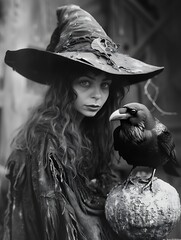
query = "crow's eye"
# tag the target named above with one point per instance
(133, 112)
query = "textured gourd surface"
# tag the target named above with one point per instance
(143, 214)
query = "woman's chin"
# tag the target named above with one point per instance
(90, 114)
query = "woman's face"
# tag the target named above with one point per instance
(92, 91)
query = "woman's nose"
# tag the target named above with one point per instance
(96, 93)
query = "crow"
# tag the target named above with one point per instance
(142, 140)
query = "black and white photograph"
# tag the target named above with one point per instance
(90, 120)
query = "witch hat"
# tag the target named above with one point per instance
(78, 39)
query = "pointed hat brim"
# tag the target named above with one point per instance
(42, 66)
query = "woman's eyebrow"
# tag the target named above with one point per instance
(107, 79)
(88, 76)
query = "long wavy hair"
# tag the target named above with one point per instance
(83, 149)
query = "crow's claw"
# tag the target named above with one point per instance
(148, 181)
(147, 185)
(126, 182)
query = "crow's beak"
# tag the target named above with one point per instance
(120, 114)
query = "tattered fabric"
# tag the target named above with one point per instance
(43, 205)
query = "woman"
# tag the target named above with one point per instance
(60, 169)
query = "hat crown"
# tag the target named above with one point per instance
(75, 26)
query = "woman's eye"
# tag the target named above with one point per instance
(84, 83)
(106, 85)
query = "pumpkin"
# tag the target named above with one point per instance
(143, 214)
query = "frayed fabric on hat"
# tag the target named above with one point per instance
(78, 39)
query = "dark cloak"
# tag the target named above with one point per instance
(43, 196)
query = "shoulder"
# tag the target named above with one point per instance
(15, 168)
(16, 158)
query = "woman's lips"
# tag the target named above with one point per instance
(93, 107)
